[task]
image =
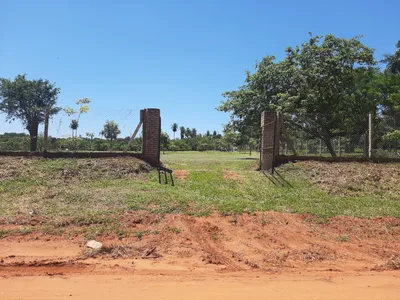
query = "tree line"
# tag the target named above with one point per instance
(191, 140)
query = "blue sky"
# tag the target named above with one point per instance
(178, 56)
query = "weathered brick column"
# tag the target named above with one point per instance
(151, 135)
(269, 140)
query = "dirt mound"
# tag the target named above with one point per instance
(354, 179)
(70, 168)
(269, 242)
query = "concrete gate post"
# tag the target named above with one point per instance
(151, 135)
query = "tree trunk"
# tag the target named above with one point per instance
(33, 133)
(329, 146)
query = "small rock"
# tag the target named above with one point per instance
(94, 245)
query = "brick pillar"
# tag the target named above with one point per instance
(151, 135)
(269, 144)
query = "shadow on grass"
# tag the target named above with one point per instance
(247, 158)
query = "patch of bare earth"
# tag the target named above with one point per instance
(235, 257)
(181, 174)
(354, 178)
(264, 242)
(230, 175)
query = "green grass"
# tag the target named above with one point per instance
(95, 199)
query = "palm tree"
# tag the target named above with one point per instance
(194, 132)
(174, 128)
(183, 131)
(393, 61)
(74, 126)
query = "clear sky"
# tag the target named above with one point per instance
(178, 56)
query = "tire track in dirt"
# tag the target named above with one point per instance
(203, 232)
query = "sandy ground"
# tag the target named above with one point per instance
(371, 286)
(257, 256)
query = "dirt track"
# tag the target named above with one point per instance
(274, 255)
(372, 286)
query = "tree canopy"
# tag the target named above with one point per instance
(324, 87)
(110, 131)
(28, 101)
(392, 61)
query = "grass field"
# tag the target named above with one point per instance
(84, 191)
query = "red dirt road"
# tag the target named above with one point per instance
(257, 256)
(106, 287)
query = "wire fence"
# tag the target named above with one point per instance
(356, 141)
(87, 137)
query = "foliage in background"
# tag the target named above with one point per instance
(28, 101)
(392, 61)
(110, 131)
(174, 128)
(83, 107)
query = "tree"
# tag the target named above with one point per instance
(74, 126)
(90, 135)
(188, 132)
(313, 87)
(182, 130)
(28, 100)
(83, 108)
(208, 133)
(110, 131)
(392, 61)
(194, 132)
(174, 128)
(164, 141)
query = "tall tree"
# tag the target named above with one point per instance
(194, 132)
(74, 126)
(28, 101)
(188, 132)
(174, 128)
(182, 130)
(313, 87)
(393, 61)
(110, 130)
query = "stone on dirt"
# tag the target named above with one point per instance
(94, 245)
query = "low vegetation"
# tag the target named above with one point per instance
(97, 191)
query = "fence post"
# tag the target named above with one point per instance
(340, 146)
(306, 147)
(320, 147)
(46, 129)
(370, 135)
(365, 148)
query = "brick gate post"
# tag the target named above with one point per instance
(151, 135)
(269, 140)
